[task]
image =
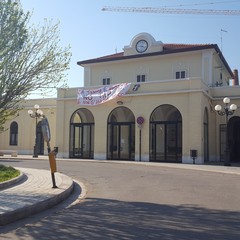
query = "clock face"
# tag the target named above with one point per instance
(141, 46)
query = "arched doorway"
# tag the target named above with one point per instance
(205, 135)
(166, 134)
(121, 134)
(234, 138)
(81, 134)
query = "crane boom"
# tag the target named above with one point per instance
(171, 10)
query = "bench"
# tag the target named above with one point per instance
(13, 153)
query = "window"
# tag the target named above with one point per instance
(141, 78)
(14, 133)
(106, 81)
(180, 74)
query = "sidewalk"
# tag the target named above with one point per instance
(32, 194)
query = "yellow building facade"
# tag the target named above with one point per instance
(151, 102)
(21, 132)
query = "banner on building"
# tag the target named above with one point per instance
(92, 97)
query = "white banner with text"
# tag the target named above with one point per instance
(92, 97)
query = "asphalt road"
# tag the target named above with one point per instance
(137, 201)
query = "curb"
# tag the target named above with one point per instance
(12, 182)
(43, 205)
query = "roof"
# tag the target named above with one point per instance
(167, 49)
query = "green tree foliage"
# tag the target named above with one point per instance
(31, 58)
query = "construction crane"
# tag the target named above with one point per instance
(171, 10)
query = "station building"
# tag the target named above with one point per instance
(152, 102)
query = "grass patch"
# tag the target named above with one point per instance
(7, 173)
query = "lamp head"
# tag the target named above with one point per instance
(218, 108)
(30, 112)
(226, 100)
(233, 107)
(39, 112)
(36, 106)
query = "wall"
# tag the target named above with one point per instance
(188, 103)
(27, 126)
(155, 68)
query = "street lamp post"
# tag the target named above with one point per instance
(227, 110)
(37, 113)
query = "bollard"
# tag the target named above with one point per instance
(53, 166)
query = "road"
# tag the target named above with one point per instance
(137, 201)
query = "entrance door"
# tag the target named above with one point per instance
(166, 145)
(166, 134)
(205, 136)
(82, 144)
(121, 142)
(158, 141)
(121, 134)
(234, 138)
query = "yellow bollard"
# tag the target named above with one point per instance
(53, 166)
(52, 161)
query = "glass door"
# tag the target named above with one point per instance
(166, 142)
(77, 146)
(82, 141)
(121, 144)
(160, 142)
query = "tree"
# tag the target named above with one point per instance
(31, 58)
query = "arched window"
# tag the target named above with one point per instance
(14, 134)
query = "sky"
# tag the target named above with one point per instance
(93, 33)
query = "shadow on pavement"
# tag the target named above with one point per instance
(111, 219)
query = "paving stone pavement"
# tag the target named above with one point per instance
(33, 193)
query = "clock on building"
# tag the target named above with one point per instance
(141, 46)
